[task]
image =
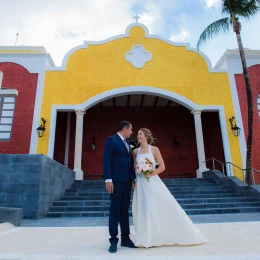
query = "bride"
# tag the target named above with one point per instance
(158, 218)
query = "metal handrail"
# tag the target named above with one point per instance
(214, 159)
(230, 163)
(252, 171)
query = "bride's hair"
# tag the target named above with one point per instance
(148, 134)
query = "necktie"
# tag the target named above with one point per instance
(126, 145)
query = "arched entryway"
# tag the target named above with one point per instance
(169, 116)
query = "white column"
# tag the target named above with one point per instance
(78, 144)
(67, 144)
(1, 78)
(200, 143)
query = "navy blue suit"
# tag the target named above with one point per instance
(118, 165)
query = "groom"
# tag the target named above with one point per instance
(119, 175)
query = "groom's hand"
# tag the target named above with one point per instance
(133, 184)
(109, 187)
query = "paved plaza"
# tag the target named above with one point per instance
(231, 236)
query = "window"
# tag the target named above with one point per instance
(7, 106)
(258, 104)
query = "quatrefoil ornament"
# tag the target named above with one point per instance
(138, 56)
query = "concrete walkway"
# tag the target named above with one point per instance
(233, 240)
(101, 221)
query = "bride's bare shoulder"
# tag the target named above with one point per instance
(135, 151)
(154, 148)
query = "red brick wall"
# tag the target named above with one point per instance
(164, 123)
(254, 74)
(17, 77)
(212, 139)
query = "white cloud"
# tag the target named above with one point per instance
(180, 37)
(152, 17)
(212, 3)
(61, 25)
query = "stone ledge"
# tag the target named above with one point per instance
(32, 182)
(11, 215)
(234, 183)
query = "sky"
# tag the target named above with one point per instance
(60, 25)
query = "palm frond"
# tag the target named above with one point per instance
(214, 29)
(243, 8)
(250, 9)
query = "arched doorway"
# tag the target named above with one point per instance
(172, 124)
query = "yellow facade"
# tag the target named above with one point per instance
(102, 67)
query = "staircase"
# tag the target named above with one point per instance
(196, 196)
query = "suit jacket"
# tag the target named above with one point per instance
(117, 162)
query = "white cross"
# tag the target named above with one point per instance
(136, 17)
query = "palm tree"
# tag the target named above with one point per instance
(236, 9)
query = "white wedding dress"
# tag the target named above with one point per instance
(158, 218)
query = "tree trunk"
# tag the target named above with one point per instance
(237, 27)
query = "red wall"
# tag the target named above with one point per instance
(254, 74)
(17, 77)
(212, 139)
(164, 123)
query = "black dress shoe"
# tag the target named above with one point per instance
(128, 243)
(112, 249)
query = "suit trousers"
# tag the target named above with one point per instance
(119, 206)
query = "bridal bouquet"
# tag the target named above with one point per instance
(145, 166)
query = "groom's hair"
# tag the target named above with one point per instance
(123, 124)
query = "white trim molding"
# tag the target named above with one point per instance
(199, 142)
(231, 60)
(67, 142)
(37, 112)
(11, 92)
(18, 54)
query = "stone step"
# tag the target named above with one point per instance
(164, 180)
(87, 188)
(172, 190)
(189, 180)
(181, 201)
(222, 210)
(81, 203)
(182, 196)
(167, 181)
(87, 184)
(188, 192)
(169, 186)
(211, 195)
(184, 206)
(203, 187)
(89, 198)
(188, 211)
(220, 205)
(77, 214)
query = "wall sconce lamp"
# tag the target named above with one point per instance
(93, 143)
(41, 129)
(175, 142)
(235, 129)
